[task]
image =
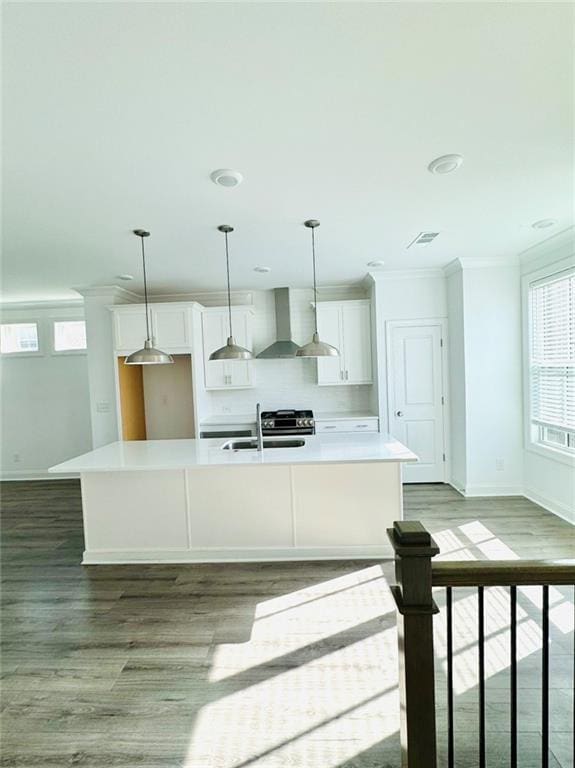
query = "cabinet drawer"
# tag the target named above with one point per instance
(347, 425)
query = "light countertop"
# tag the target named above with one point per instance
(144, 455)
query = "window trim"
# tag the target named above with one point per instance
(529, 280)
(58, 352)
(40, 352)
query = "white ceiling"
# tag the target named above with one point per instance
(115, 114)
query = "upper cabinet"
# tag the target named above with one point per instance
(222, 374)
(347, 326)
(170, 325)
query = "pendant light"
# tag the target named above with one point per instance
(231, 350)
(315, 348)
(148, 355)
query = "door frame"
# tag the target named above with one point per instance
(390, 325)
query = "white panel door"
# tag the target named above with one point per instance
(416, 409)
(356, 325)
(330, 369)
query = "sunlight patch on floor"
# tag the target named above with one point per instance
(323, 616)
(339, 702)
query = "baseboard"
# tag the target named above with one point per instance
(480, 491)
(31, 474)
(234, 555)
(551, 505)
(476, 491)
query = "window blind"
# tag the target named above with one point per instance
(552, 364)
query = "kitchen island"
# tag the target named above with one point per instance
(179, 501)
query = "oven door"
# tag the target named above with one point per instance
(278, 431)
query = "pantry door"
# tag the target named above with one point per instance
(416, 395)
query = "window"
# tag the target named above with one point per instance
(552, 361)
(19, 338)
(69, 335)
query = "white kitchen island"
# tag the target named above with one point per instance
(179, 501)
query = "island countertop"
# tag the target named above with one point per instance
(146, 455)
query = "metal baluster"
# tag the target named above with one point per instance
(481, 633)
(545, 682)
(450, 750)
(513, 597)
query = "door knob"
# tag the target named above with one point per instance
(399, 413)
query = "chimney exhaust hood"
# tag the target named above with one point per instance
(284, 346)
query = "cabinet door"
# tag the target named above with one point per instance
(240, 372)
(129, 330)
(171, 327)
(213, 334)
(330, 369)
(356, 323)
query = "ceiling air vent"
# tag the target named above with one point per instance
(423, 238)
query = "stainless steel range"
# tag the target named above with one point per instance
(287, 423)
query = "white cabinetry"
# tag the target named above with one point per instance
(170, 327)
(347, 326)
(369, 424)
(222, 374)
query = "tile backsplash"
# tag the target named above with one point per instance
(288, 383)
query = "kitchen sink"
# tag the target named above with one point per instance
(252, 445)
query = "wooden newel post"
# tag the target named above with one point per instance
(414, 548)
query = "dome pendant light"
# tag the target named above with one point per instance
(231, 351)
(315, 348)
(148, 355)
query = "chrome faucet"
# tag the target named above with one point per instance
(260, 438)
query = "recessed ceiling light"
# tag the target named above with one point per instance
(544, 223)
(125, 277)
(226, 177)
(376, 263)
(262, 269)
(445, 164)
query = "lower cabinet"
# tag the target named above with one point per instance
(347, 425)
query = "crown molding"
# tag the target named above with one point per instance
(108, 291)
(405, 274)
(553, 248)
(15, 306)
(479, 262)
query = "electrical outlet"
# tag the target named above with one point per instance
(103, 406)
(499, 465)
(16, 458)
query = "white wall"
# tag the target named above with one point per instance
(457, 397)
(493, 387)
(549, 478)
(101, 371)
(290, 383)
(45, 404)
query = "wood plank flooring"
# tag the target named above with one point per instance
(265, 665)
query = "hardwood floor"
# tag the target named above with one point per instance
(263, 665)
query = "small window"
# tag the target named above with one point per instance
(19, 338)
(69, 335)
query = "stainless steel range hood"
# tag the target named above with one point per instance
(284, 346)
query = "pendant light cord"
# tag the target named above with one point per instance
(229, 291)
(314, 280)
(145, 291)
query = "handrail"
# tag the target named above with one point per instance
(502, 573)
(416, 575)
